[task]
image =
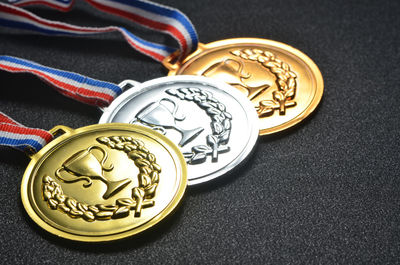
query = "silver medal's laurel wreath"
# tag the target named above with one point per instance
(220, 124)
(148, 177)
(286, 80)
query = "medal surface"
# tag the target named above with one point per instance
(103, 182)
(215, 125)
(284, 84)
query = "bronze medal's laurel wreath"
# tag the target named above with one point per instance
(148, 177)
(220, 124)
(286, 80)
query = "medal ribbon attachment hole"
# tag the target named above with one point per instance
(60, 130)
(171, 61)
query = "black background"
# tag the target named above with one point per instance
(326, 191)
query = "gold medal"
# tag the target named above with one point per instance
(103, 182)
(283, 83)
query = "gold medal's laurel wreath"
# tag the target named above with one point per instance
(141, 196)
(221, 123)
(286, 80)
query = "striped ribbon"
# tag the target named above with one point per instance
(76, 86)
(18, 136)
(145, 13)
(63, 5)
(151, 15)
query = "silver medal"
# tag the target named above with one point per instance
(215, 125)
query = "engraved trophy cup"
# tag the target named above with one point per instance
(160, 117)
(83, 165)
(232, 72)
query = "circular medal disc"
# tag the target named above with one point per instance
(103, 182)
(215, 125)
(283, 83)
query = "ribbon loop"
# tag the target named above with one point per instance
(63, 5)
(151, 15)
(76, 86)
(79, 87)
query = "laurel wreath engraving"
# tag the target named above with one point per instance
(141, 197)
(220, 124)
(286, 81)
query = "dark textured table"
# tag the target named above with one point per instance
(326, 191)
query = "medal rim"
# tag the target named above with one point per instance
(251, 115)
(316, 73)
(37, 159)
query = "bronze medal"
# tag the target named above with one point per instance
(284, 84)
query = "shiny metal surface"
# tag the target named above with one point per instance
(103, 182)
(215, 125)
(283, 83)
